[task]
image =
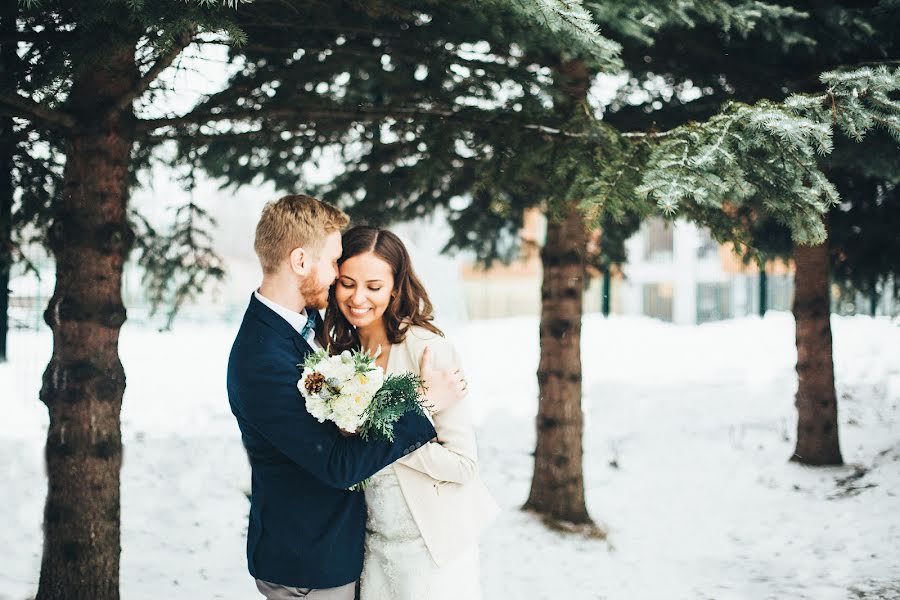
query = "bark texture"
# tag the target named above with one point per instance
(816, 400)
(84, 381)
(557, 487)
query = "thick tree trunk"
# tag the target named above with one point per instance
(8, 62)
(84, 382)
(816, 400)
(557, 488)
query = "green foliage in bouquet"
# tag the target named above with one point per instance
(398, 395)
(313, 359)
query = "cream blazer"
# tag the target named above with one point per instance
(448, 501)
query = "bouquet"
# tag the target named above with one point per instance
(350, 390)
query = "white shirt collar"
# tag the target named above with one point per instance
(296, 319)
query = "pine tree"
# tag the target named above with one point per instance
(762, 65)
(75, 88)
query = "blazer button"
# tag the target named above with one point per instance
(418, 444)
(411, 449)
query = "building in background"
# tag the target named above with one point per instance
(675, 272)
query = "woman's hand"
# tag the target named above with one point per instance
(443, 388)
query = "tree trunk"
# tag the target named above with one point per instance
(557, 488)
(84, 382)
(8, 60)
(816, 400)
(607, 288)
(763, 289)
(7, 149)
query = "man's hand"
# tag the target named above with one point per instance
(443, 389)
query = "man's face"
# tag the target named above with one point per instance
(322, 273)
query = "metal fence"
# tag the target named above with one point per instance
(736, 296)
(487, 298)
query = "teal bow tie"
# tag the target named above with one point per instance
(309, 326)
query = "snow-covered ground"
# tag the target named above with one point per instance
(688, 431)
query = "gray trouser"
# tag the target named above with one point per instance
(273, 591)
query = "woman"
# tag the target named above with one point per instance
(426, 510)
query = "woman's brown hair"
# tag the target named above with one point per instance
(409, 303)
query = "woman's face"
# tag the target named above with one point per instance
(363, 289)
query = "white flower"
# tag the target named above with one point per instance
(347, 414)
(361, 399)
(318, 408)
(335, 370)
(371, 381)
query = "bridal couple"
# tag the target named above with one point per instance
(412, 533)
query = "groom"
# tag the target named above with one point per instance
(305, 536)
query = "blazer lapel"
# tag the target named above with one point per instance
(279, 325)
(270, 317)
(301, 344)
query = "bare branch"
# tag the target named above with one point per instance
(18, 106)
(206, 138)
(35, 36)
(650, 135)
(360, 114)
(165, 59)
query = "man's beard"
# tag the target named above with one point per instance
(314, 294)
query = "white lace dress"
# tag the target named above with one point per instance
(397, 564)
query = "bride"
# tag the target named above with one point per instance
(425, 511)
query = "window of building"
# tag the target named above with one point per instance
(658, 300)
(659, 240)
(713, 301)
(708, 247)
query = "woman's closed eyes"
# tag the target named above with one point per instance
(350, 285)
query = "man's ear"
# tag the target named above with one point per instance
(299, 261)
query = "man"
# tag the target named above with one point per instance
(305, 536)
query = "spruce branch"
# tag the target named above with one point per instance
(178, 264)
(573, 19)
(769, 152)
(643, 19)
